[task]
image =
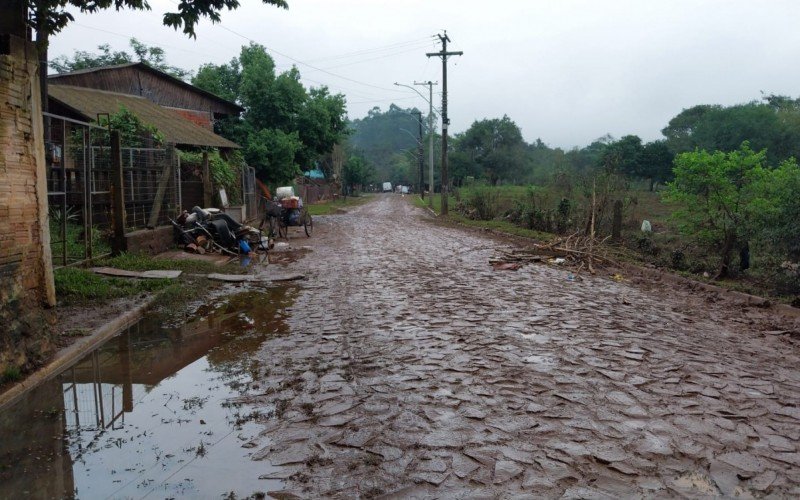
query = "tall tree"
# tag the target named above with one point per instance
(48, 17)
(311, 122)
(680, 129)
(773, 125)
(622, 156)
(496, 145)
(655, 163)
(382, 134)
(718, 195)
(151, 55)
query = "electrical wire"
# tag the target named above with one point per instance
(420, 42)
(308, 65)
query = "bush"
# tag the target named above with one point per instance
(224, 173)
(483, 202)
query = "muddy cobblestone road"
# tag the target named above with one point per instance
(415, 370)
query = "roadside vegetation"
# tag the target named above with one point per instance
(337, 205)
(78, 286)
(719, 192)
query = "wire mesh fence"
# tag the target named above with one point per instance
(152, 186)
(249, 194)
(80, 169)
(78, 189)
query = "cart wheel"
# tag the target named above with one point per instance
(308, 224)
(273, 227)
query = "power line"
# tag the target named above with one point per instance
(395, 46)
(415, 49)
(308, 65)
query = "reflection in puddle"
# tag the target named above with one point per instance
(150, 411)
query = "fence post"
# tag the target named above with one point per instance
(161, 188)
(206, 181)
(616, 226)
(118, 197)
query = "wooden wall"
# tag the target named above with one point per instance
(135, 80)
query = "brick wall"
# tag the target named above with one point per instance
(199, 118)
(26, 279)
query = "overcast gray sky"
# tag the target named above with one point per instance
(566, 71)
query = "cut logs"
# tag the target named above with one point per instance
(574, 250)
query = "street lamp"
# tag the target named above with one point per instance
(430, 131)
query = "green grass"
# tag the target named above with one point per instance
(503, 227)
(494, 225)
(332, 207)
(437, 202)
(10, 374)
(81, 286)
(75, 242)
(144, 262)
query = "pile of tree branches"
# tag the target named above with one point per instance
(575, 251)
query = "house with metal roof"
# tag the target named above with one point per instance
(139, 79)
(86, 104)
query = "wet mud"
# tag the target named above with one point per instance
(405, 367)
(415, 370)
(156, 411)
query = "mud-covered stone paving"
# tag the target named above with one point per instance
(415, 370)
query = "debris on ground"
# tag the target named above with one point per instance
(575, 251)
(121, 273)
(250, 278)
(506, 266)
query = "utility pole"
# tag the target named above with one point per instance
(445, 120)
(419, 151)
(430, 85)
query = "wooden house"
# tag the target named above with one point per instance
(138, 79)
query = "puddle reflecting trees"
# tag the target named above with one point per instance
(149, 411)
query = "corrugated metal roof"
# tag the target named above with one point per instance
(175, 128)
(146, 67)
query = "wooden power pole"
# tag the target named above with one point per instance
(444, 54)
(420, 153)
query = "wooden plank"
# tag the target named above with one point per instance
(251, 278)
(118, 196)
(161, 190)
(121, 273)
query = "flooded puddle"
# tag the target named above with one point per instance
(151, 413)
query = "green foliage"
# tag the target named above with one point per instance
(332, 207)
(357, 172)
(383, 139)
(622, 156)
(51, 16)
(273, 152)
(133, 132)
(773, 125)
(80, 286)
(144, 262)
(225, 173)
(655, 162)
(151, 55)
(10, 374)
(285, 127)
(483, 200)
(724, 198)
(75, 241)
(495, 147)
(223, 80)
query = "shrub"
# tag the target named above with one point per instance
(484, 201)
